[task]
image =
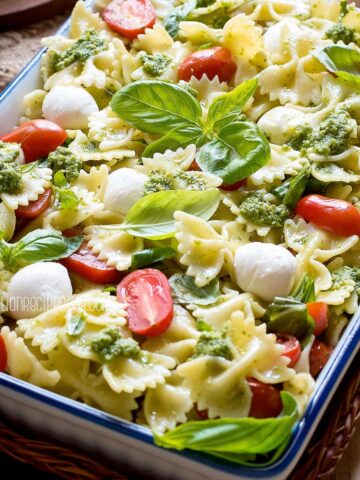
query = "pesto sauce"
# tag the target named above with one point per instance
(155, 65)
(160, 180)
(259, 211)
(63, 160)
(340, 32)
(109, 345)
(343, 275)
(214, 344)
(10, 171)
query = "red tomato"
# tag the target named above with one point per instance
(147, 295)
(320, 313)
(202, 414)
(195, 167)
(36, 207)
(37, 138)
(233, 187)
(211, 62)
(3, 355)
(129, 17)
(292, 347)
(336, 216)
(319, 355)
(266, 400)
(86, 264)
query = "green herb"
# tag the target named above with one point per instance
(340, 32)
(173, 139)
(10, 171)
(214, 344)
(259, 211)
(344, 276)
(172, 22)
(64, 196)
(344, 9)
(155, 65)
(343, 61)
(160, 180)
(305, 290)
(202, 326)
(288, 315)
(63, 160)
(186, 291)
(76, 324)
(38, 245)
(247, 441)
(109, 344)
(292, 190)
(150, 256)
(9, 152)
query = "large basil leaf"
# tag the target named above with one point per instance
(240, 150)
(341, 60)
(151, 255)
(38, 245)
(186, 291)
(180, 137)
(227, 108)
(154, 106)
(246, 437)
(152, 216)
(288, 315)
(172, 21)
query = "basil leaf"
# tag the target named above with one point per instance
(154, 106)
(75, 325)
(179, 137)
(172, 21)
(341, 60)
(150, 256)
(240, 150)
(305, 290)
(288, 315)
(64, 197)
(226, 108)
(292, 190)
(186, 291)
(153, 215)
(226, 436)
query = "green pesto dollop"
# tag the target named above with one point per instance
(330, 138)
(259, 211)
(85, 47)
(110, 344)
(63, 160)
(340, 32)
(155, 65)
(214, 344)
(161, 179)
(343, 276)
(10, 171)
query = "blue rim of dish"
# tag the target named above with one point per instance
(326, 385)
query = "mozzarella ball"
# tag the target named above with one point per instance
(37, 288)
(279, 123)
(125, 187)
(69, 107)
(265, 269)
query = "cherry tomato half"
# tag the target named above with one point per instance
(336, 216)
(129, 17)
(37, 138)
(147, 295)
(319, 355)
(3, 355)
(320, 313)
(211, 62)
(36, 207)
(86, 264)
(195, 167)
(266, 400)
(292, 347)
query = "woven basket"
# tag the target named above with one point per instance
(319, 461)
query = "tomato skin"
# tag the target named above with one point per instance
(86, 264)
(266, 399)
(320, 313)
(319, 355)
(37, 138)
(36, 207)
(150, 307)
(211, 62)
(202, 414)
(129, 17)
(292, 347)
(194, 167)
(335, 216)
(3, 355)
(233, 187)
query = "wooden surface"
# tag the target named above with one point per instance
(16, 48)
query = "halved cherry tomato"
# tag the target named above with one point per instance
(266, 400)
(233, 187)
(3, 355)
(211, 62)
(86, 264)
(195, 167)
(202, 414)
(129, 17)
(36, 207)
(320, 313)
(147, 295)
(37, 138)
(336, 216)
(292, 347)
(319, 355)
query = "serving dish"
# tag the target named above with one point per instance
(127, 443)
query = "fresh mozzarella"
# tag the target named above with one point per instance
(69, 107)
(37, 288)
(279, 123)
(125, 187)
(265, 269)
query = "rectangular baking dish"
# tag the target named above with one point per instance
(123, 442)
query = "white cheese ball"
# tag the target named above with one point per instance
(265, 269)
(37, 288)
(125, 187)
(279, 123)
(69, 107)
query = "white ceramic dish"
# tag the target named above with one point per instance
(99, 433)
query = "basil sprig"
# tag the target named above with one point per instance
(38, 245)
(343, 61)
(232, 147)
(246, 441)
(186, 291)
(180, 13)
(149, 256)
